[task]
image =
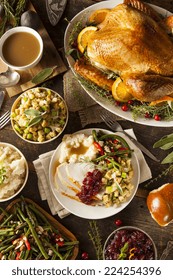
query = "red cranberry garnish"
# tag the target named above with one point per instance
(157, 118)
(118, 103)
(118, 222)
(84, 256)
(130, 102)
(125, 107)
(147, 115)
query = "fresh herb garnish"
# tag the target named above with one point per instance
(37, 116)
(43, 75)
(12, 12)
(2, 175)
(165, 143)
(95, 237)
(123, 252)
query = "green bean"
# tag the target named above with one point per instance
(115, 137)
(7, 220)
(4, 247)
(22, 255)
(27, 252)
(75, 242)
(117, 153)
(39, 256)
(9, 248)
(37, 240)
(20, 224)
(68, 253)
(30, 214)
(37, 212)
(4, 212)
(8, 240)
(53, 249)
(5, 231)
(34, 234)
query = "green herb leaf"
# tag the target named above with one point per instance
(168, 159)
(94, 235)
(123, 251)
(35, 121)
(42, 75)
(167, 146)
(2, 175)
(32, 112)
(163, 141)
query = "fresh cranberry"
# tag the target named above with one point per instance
(130, 102)
(147, 115)
(84, 256)
(118, 222)
(125, 108)
(157, 118)
(118, 103)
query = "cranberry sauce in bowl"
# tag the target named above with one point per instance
(129, 243)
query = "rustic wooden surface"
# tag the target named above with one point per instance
(136, 214)
(50, 58)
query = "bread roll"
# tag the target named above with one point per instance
(160, 204)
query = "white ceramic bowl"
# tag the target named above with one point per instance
(18, 29)
(60, 105)
(13, 167)
(123, 235)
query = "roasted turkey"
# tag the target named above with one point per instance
(133, 43)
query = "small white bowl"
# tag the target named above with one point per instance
(18, 103)
(24, 177)
(18, 29)
(117, 236)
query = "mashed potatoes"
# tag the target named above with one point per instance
(77, 148)
(12, 171)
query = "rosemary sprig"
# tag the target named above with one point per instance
(100, 91)
(164, 173)
(95, 237)
(140, 109)
(13, 10)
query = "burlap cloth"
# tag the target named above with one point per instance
(78, 100)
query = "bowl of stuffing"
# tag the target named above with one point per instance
(13, 171)
(129, 243)
(39, 115)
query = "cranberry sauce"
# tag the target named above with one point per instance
(129, 244)
(92, 184)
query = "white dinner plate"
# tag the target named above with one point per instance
(82, 17)
(87, 211)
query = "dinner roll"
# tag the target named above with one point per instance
(160, 204)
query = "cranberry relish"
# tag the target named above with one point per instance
(129, 244)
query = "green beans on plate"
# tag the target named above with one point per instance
(27, 232)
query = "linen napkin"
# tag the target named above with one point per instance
(42, 169)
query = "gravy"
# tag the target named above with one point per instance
(21, 49)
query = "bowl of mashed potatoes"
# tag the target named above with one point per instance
(13, 171)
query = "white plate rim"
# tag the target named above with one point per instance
(98, 99)
(89, 212)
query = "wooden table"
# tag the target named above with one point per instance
(136, 214)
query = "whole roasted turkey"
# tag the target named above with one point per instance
(133, 42)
